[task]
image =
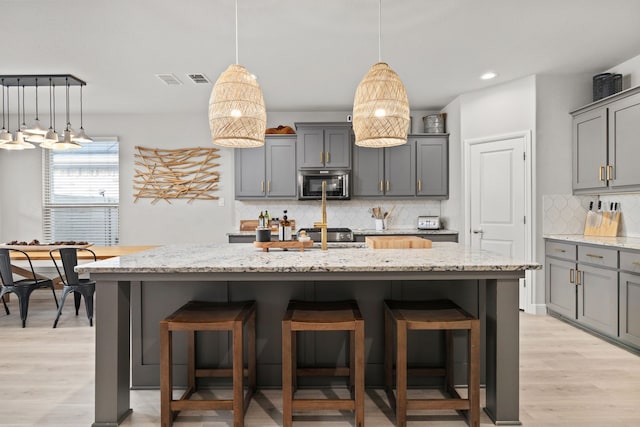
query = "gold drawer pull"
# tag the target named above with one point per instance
(419, 185)
(595, 256)
(381, 188)
(571, 275)
(322, 158)
(269, 186)
(262, 186)
(559, 250)
(609, 172)
(636, 263)
(601, 173)
(327, 157)
(387, 186)
(578, 277)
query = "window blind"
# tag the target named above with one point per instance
(81, 193)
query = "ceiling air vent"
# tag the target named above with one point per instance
(169, 79)
(199, 78)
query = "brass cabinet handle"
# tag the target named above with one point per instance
(262, 186)
(559, 250)
(381, 189)
(322, 157)
(601, 173)
(327, 157)
(419, 185)
(269, 186)
(578, 277)
(595, 256)
(571, 275)
(609, 172)
(636, 263)
(387, 186)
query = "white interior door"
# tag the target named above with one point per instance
(498, 198)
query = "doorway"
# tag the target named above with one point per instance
(498, 189)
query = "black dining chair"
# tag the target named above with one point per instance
(72, 283)
(22, 288)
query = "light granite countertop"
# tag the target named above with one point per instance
(354, 257)
(619, 242)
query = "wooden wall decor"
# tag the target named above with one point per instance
(183, 173)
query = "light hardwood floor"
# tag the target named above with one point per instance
(567, 377)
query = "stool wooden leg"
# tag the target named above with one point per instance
(352, 362)
(238, 376)
(401, 373)
(166, 386)
(251, 337)
(449, 381)
(191, 360)
(474, 374)
(358, 367)
(388, 352)
(287, 373)
(294, 362)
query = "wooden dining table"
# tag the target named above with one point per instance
(42, 254)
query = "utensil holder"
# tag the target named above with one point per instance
(380, 224)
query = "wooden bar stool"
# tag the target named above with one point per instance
(209, 316)
(323, 316)
(430, 315)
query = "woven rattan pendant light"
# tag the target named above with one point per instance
(237, 116)
(380, 107)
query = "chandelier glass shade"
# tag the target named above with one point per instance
(237, 115)
(380, 106)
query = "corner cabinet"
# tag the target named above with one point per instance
(324, 145)
(268, 171)
(605, 145)
(595, 287)
(418, 168)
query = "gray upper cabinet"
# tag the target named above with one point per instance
(324, 145)
(368, 172)
(432, 166)
(604, 145)
(388, 172)
(268, 171)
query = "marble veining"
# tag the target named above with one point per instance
(619, 242)
(244, 258)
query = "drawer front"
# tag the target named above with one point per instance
(630, 261)
(602, 257)
(561, 250)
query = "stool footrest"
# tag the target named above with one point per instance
(323, 372)
(218, 373)
(454, 404)
(323, 404)
(200, 405)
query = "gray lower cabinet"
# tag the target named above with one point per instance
(560, 286)
(268, 171)
(630, 308)
(432, 166)
(598, 299)
(384, 172)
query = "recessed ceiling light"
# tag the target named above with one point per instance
(488, 75)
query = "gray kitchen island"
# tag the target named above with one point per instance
(135, 291)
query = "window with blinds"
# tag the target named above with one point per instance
(81, 193)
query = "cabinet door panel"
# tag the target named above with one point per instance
(630, 308)
(560, 291)
(368, 172)
(311, 147)
(432, 167)
(400, 170)
(598, 299)
(281, 167)
(624, 142)
(590, 149)
(249, 172)
(337, 146)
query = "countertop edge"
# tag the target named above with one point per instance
(618, 242)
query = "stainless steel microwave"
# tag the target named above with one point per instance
(310, 184)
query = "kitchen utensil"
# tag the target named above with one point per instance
(388, 214)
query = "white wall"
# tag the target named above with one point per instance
(630, 69)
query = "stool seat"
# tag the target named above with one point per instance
(323, 316)
(430, 315)
(209, 316)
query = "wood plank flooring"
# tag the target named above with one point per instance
(568, 378)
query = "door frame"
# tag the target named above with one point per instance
(529, 208)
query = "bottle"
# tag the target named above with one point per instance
(284, 229)
(267, 219)
(261, 220)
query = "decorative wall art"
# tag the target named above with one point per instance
(183, 173)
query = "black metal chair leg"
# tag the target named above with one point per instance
(55, 298)
(23, 301)
(88, 303)
(6, 307)
(65, 292)
(76, 300)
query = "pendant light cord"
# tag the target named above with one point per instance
(237, 62)
(18, 87)
(2, 104)
(54, 106)
(37, 118)
(380, 31)
(67, 104)
(81, 106)
(23, 114)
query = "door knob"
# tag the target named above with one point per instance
(478, 231)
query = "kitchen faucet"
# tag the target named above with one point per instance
(323, 225)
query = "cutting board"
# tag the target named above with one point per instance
(252, 224)
(397, 242)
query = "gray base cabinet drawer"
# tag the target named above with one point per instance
(630, 309)
(630, 261)
(561, 250)
(603, 257)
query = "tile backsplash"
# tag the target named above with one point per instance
(341, 213)
(566, 213)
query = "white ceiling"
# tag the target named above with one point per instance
(309, 55)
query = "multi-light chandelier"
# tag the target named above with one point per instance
(24, 137)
